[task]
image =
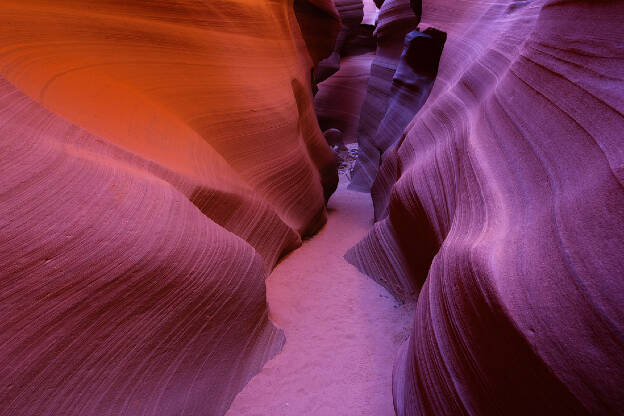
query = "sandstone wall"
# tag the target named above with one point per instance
(502, 207)
(157, 159)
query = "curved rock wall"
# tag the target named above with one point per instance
(313, 15)
(351, 14)
(342, 77)
(396, 19)
(156, 161)
(502, 206)
(340, 97)
(370, 12)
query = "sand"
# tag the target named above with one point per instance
(342, 329)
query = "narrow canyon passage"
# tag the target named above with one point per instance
(342, 329)
(162, 161)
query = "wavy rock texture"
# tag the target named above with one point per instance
(340, 97)
(342, 77)
(503, 205)
(351, 14)
(396, 19)
(313, 15)
(356, 35)
(411, 85)
(156, 162)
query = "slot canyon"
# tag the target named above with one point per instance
(311, 207)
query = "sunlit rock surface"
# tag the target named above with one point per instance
(370, 12)
(157, 159)
(502, 206)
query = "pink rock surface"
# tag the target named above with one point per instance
(370, 12)
(503, 206)
(411, 85)
(119, 296)
(340, 97)
(157, 160)
(353, 38)
(342, 77)
(396, 19)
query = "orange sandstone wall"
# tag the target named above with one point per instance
(157, 158)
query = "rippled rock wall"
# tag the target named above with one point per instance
(343, 76)
(157, 159)
(396, 19)
(501, 209)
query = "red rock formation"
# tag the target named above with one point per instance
(503, 205)
(156, 161)
(313, 15)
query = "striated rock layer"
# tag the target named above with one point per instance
(340, 97)
(343, 76)
(313, 15)
(396, 19)
(502, 204)
(411, 85)
(157, 160)
(351, 13)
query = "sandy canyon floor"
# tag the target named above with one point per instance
(342, 329)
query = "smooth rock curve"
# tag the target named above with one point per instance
(503, 205)
(157, 160)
